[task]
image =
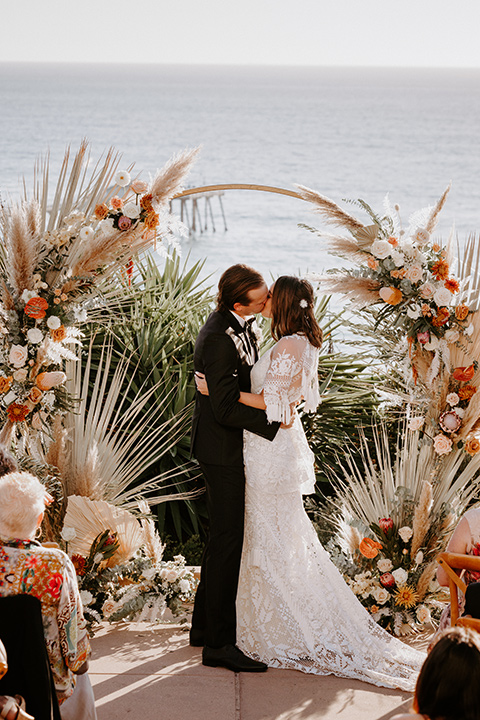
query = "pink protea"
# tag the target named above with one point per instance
(423, 337)
(387, 581)
(385, 524)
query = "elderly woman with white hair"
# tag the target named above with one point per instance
(28, 568)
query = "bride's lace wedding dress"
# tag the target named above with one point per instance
(294, 610)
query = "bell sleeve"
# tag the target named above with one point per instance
(277, 390)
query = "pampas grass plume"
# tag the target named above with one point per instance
(170, 178)
(421, 517)
(153, 545)
(425, 579)
(331, 212)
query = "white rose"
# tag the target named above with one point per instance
(453, 399)
(400, 575)
(86, 597)
(397, 257)
(105, 226)
(381, 595)
(433, 344)
(415, 273)
(405, 533)
(87, 233)
(422, 236)
(442, 297)
(122, 178)
(384, 565)
(18, 355)
(34, 335)
(452, 336)
(460, 412)
(423, 614)
(131, 210)
(20, 375)
(381, 249)
(171, 575)
(27, 295)
(108, 608)
(68, 533)
(413, 312)
(419, 558)
(415, 423)
(54, 322)
(426, 291)
(184, 586)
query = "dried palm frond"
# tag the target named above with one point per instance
(469, 272)
(421, 517)
(330, 211)
(360, 290)
(90, 518)
(169, 180)
(433, 219)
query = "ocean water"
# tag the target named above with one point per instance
(348, 133)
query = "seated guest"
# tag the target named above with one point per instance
(465, 541)
(27, 568)
(448, 686)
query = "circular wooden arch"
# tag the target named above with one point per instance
(237, 186)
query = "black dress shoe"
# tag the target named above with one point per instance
(197, 638)
(232, 658)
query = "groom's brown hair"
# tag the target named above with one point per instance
(235, 284)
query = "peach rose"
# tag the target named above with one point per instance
(116, 202)
(138, 186)
(35, 395)
(442, 444)
(372, 263)
(59, 334)
(472, 446)
(18, 355)
(101, 211)
(426, 291)
(390, 295)
(461, 312)
(5, 383)
(415, 273)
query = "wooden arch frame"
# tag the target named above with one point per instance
(238, 186)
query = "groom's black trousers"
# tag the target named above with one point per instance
(214, 613)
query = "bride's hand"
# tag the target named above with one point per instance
(201, 383)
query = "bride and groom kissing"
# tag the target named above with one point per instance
(269, 596)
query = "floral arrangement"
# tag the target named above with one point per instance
(49, 270)
(143, 587)
(406, 274)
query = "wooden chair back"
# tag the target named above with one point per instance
(456, 561)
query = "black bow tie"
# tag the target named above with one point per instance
(249, 323)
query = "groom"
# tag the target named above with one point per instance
(225, 351)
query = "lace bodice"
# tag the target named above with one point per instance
(287, 374)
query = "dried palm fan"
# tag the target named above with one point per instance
(89, 518)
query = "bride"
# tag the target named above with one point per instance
(294, 610)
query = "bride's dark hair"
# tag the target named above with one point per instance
(293, 310)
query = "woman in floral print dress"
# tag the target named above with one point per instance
(28, 568)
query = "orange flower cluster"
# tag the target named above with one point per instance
(461, 312)
(5, 383)
(146, 202)
(443, 316)
(101, 211)
(369, 548)
(58, 334)
(426, 310)
(467, 392)
(452, 285)
(398, 273)
(17, 412)
(440, 270)
(472, 446)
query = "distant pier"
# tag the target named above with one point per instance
(197, 211)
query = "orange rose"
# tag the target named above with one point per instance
(463, 374)
(426, 310)
(36, 307)
(146, 202)
(443, 316)
(151, 220)
(58, 334)
(369, 548)
(101, 211)
(440, 270)
(461, 312)
(452, 285)
(390, 295)
(35, 395)
(472, 446)
(393, 241)
(467, 392)
(17, 412)
(5, 383)
(372, 263)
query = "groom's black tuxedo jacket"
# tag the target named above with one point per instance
(219, 419)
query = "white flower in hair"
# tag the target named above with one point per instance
(303, 303)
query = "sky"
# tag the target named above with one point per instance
(392, 33)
